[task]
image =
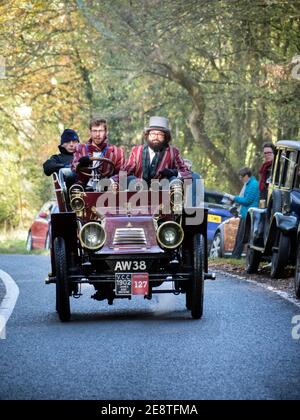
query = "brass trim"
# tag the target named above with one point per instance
(94, 247)
(171, 224)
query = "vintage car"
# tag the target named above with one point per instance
(271, 231)
(218, 212)
(224, 239)
(297, 269)
(38, 236)
(126, 243)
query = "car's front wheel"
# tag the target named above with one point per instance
(216, 246)
(197, 287)
(280, 255)
(62, 284)
(297, 273)
(253, 258)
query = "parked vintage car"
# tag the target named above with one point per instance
(218, 212)
(271, 232)
(38, 236)
(297, 269)
(224, 239)
(125, 246)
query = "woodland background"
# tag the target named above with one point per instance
(224, 72)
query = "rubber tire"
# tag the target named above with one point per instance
(297, 273)
(253, 258)
(29, 242)
(187, 258)
(62, 285)
(218, 239)
(197, 289)
(280, 258)
(275, 206)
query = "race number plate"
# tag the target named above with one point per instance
(131, 284)
(140, 284)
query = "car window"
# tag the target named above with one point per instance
(212, 198)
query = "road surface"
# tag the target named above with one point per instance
(241, 349)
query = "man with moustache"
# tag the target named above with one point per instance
(156, 159)
(97, 146)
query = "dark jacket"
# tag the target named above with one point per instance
(56, 162)
(265, 173)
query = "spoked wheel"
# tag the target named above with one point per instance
(215, 249)
(197, 287)
(62, 285)
(297, 273)
(253, 258)
(280, 255)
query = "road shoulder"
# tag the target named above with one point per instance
(282, 287)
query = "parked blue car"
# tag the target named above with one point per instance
(217, 212)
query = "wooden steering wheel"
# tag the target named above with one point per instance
(98, 167)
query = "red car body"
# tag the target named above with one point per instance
(39, 231)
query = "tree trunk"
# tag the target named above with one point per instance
(196, 120)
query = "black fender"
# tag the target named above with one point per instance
(64, 225)
(286, 224)
(254, 228)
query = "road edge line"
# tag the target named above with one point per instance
(9, 301)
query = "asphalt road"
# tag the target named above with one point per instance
(241, 349)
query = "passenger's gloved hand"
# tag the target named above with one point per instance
(169, 173)
(229, 196)
(85, 161)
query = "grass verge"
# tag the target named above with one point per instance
(15, 243)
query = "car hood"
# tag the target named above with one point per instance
(219, 211)
(130, 234)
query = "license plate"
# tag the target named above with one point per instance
(131, 284)
(123, 284)
(140, 284)
(214, 218)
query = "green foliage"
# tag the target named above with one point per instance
(220, 70)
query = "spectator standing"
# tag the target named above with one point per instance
(248, 197)
(265, 170)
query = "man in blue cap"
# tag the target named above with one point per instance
(68, 142)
